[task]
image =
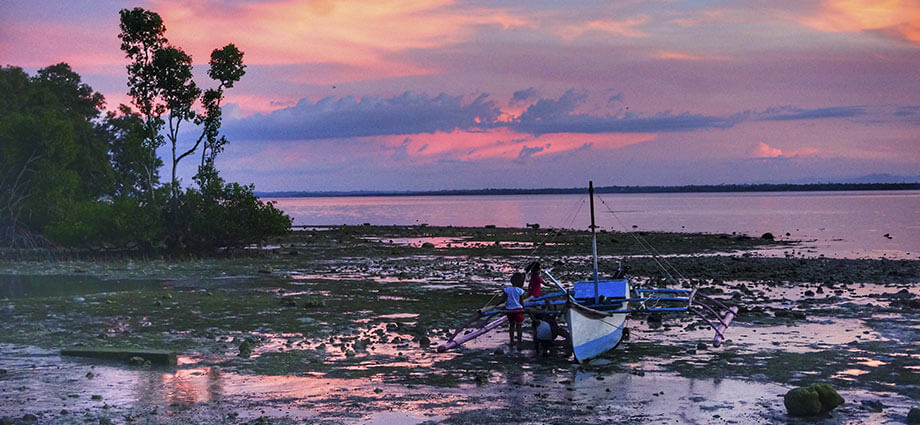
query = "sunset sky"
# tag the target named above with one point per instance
(439, 94)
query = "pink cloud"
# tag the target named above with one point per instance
(360, 35)
(898, 18)
(764, 150)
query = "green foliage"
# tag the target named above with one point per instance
(225, 215)
(134, 158)
(160, 81)
(51, 149)
(121, 223)
(74, 174)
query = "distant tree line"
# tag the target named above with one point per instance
(816, 187)
(73, 174)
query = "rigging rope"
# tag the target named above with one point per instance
(550, 236)
(656, 256)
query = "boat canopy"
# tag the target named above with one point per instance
(616, 288)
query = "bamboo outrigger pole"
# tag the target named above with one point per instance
(593, 241)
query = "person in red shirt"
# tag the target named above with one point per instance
(535, 286)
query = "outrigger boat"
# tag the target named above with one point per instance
(596, 310)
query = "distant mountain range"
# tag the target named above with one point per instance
(868, 182)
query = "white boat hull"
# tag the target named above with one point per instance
(593, 332)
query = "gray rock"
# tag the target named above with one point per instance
(913, 417)
(872, 405)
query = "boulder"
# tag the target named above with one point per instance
(811, 400)
(830, 399)
(913, 417)
(803, 401)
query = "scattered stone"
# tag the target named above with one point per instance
(105, 421)
(872, 405)
(427, 245)
(96, 397)
(767, 236)
(245, 349)
(136, 361)
(790, 314)
(361, 345)
(913, 416)
(28, 418)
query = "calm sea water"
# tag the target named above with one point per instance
(836, 224)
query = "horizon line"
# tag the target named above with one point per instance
(706, 188)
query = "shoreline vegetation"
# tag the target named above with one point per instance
(74, 174)
(720, 188)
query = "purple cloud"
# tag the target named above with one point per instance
(409, 113)
(558, 116)
(787, 113)
(522, 96)
(527, 152)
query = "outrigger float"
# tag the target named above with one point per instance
(596, 311)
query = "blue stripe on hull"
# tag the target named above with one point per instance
(598, 346)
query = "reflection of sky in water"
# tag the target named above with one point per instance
(836, 224)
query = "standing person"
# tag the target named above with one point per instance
(512, 300)
(536, 281)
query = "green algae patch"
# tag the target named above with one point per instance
(157, 357)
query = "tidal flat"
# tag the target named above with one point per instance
(338, 324)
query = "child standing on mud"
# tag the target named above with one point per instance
(513, 302)
(536, 281)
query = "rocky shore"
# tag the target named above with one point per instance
(337, 325)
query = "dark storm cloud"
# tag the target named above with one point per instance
(409, 113)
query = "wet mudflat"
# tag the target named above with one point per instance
(338, 326)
